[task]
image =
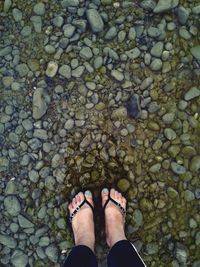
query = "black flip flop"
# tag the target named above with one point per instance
(116, 204)
(78, 208)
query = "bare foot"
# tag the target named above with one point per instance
(114, 219)
(82, 223)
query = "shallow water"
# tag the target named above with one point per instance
(90, 103)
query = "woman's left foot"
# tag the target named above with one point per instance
(82, 222)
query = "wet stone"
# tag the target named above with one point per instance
(95, 20)
(188, 195)
(33, 176)
(196, 52)
(8, 241)
(182, 14)
(65, 71)
(17, 14)
(35, 143)
(52, 69)
(19, 259)
(192, 93)
(133, 106)
(24, 222)
(123, 185)
(156, 64)
(39, 9)
(7, 5)
(12, 205)
(86, 53)
(52, 253)
(165, 5)
(169, 133)
(177, 168)
(118, 75)
(195, 164)
(41, 100)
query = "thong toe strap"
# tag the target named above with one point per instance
(78, 208)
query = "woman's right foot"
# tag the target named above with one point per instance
(114, 219)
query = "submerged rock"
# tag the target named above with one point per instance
(133, 106)
(165, 5)
(95, 20)
(41, 100)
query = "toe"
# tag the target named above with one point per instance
(104, 195)
(88, 196)
(112, 193)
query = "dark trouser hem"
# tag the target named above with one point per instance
(81, 256)
(123, 254)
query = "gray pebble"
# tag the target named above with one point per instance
(192, 93)
(35, 143)
(118, 75)
(86, 53)
(7, 5)
(178, 169)
(146, 83)
(76, 73)
(65, 71)
(27, 124)
(169, 133)
(52, 69)
(196, 52)
(69, 30)
(156, 64)
(133, 53)
(19, 259)
(17, 14)
(111, 33)
(24, 222)
(95, 20)
(26, 31)
(183, 15)
(157, 49)
(39, 9)
(12, 205)
(40, 133)
(8, 241)
(22, 69)
(37, 23)
(41, 100)
(165, 5)
(52, 253)
(33, 176)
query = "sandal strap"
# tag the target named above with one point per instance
(78, 208)
(116, 204)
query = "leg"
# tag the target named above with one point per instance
(122, 253)
(82, 255)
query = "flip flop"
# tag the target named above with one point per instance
(123, 211)
(79, 207)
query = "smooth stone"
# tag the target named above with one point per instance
(123, 185)
(178, 169)
(95, 20)
(133, 106)
(157, 49)
(188, 151)
(22, 69)
(27, 124)
(155, 168)
(19, 259)
(14, 227)
(41, 101)
(148, 5)
(132, 34)
(168, 118)
(39, 9)
(50, 182)
(52, 69)
(172, 193)
(35, 143)
(50, 49)
(69, 124)
(12, 205)
(196, 52)
(44, 241)
(133, 53)
(37, 23)
(196, 10)
(65, 71)
(78, 71)
(52, 253)
(14, 138)
(26, 31)
(197, 238)
(11, 188)
(146, 83)
(8, 241)
(69, 30)
(111, 33)
(165, 5)
(188, 195)
(118, 75)
(174, 150)
(169, 133)
(156, 64)
(153, 32)
(70, 3)
(195, 164)
(33, 176)
(24, 222)
(86, 53)
(184, 33)
(182, 14)
(56, 161)
(7, 5)
(152, 248)
(98, 62)
(192, 93)
(40, 133)
(17, 14)
(58, 21)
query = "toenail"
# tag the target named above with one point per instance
(105, 190)
(87, 193)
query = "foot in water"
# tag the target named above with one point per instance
(114, 219)
(82, 222)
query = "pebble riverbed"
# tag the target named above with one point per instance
(99, 93)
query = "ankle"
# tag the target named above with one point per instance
(113, 240)
(87, 243)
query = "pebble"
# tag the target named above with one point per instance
(40, 133)
(195, 164)
(133, 53)
(65, 71)
(52, 69)
(146, 83)
(192, 93)
(12, 205)
(17, 14)
(26, 31)
(157, 49)
(24, 222)
(156, 64)
(33, 176)
(37, 23)
(35, 143)
(86, 53)
(165, 5)
(152, 248)
(196, 52)
(118, 75)
(52, 253)
(188, 195)
(41, 100)
(69, 30)
(111, 33)
(22, 69)
(118, 113)
(7, 5)
(39, 9)
(169, 133)
(133, 106)
(95, 20)
(177, 168)
(123, 185)
(19, 259)
(182, 14)
(77, 73)
(155, 168)
(8, 241)
(70, 3)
